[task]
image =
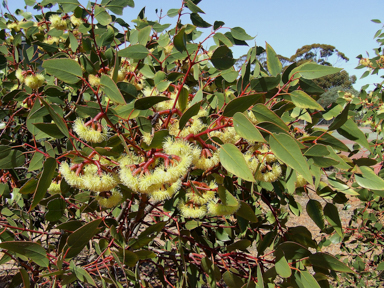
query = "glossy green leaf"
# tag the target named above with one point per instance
(233, 161)
(117, 6)
(50, 129)
(287, 150)
(317, 150)
(198, 21)
(313, 71)
(351, 131)
(144, 34)
(340, 186)
(109, 87)
(180, 40)
(44, 181)
(59, 121)
(188, 114)
(240, 34)
(265, 84)
(194, 8)
(136, 52)
(232, 280)
(241, 104)
(315, 211)
(102, 16)
(10, 158)
(307, 280)
(222, 58)
(368, 179)
(328, 139)
(245, 128)
(263, 114)
(246, 212)
(79, 238)
(281, 264)
(28, 249)
(303, 100)
(273, 62)
(73, 41)
(66, 70)
(332, 216)
(328, 261)
(147, 102)
(340, 119)
(230, 75)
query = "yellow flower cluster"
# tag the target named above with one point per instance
(57, 22)
(54, 188)
(194, 128)
(32, 81)
(111, 200)
(348, 96)
(76, 21)
(365, 62)
(228, 135)
(160, 181)
(89, 134)
(202, 161)
(300, 181)
(13, 26)
(93, 80)
(219, 209)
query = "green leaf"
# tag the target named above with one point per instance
(241, 104)
(198, 21)
(327, 261)
(102, 16)
(10, 158)
(245, 128)
(136, 52)
(303, 100)
(220, 37)
(44, 181)
(246, 212)
(265, 84)
(73, 41)
(66, 70)
(332, 216)
(117, 6)
(340, 186)
(240, 34)
(28, 249)
(61, 124)
(273, 62)
(56, 209)
(315, 211)
(194, 8)
(230, 75)
(180, 40)
(68, 5)
(263, 114)
(81, 274)
(368, 179)
(110, 89)
(232, 280)
(226, 197)
(25, 276)
(340, 119)
(233, 161)
(287, 150)
(147, 102)
(293, 250)
(317, 150)
(351, 131)
(79, 238)
(144, 35)
(29, 187)
(307, 280)
(328, 139)
(313, 71)
(281, 264)
(51, 129)
(222, 58)
(260, 280)
(242, 244)
(188, 114)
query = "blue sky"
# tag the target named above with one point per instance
(285, 25)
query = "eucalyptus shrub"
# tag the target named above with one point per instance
(140, 156)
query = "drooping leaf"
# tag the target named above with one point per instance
(328, 261)
(303, 100)
(188, 114)
(263, 114)
(180, 40)
(233, 161)
(147, 102)
(246, 212)
(102, 16)
(293, 250)
(232, 280)
(28, 249)
(44, 181)
(79, 238)
(56, 209)
(281, 264)
(273, 62)
(242, 244)
(50, 129)
(332, 216)
(368, 179)
(66, 70)
(59, 121)
(287, 150)
(198, 21)
(315, 211)
(246, 129)
(240, 34)
(10, 158)
(351, 131)
(109, 87)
